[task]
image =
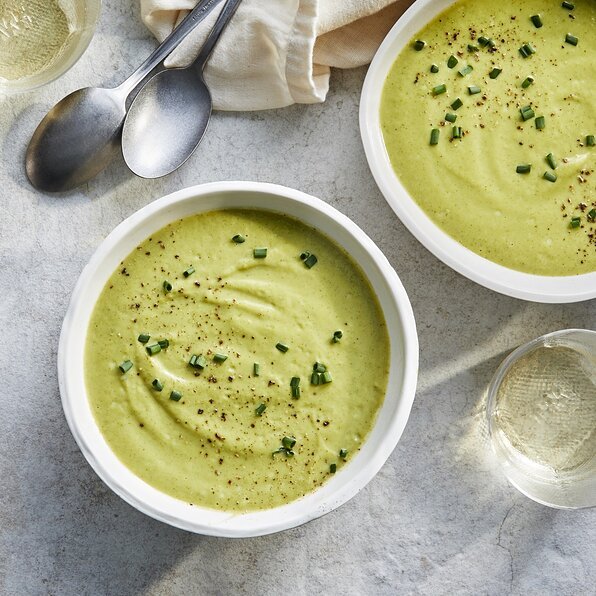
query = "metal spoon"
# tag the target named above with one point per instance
(169, 116)
(81, 133)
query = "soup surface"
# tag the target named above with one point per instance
(228, 411)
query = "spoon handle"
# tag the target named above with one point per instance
(227, 12)
(169, 44)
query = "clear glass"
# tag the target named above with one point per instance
(541, 410)
(25, 22)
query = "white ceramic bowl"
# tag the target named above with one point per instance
(402, 375)
(491, 275)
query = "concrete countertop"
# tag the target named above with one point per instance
(439, 518)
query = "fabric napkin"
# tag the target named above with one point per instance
(278, 52)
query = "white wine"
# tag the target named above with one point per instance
(33, 35)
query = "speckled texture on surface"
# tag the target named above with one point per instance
(439, 518)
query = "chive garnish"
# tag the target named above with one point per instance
(199, 362)
(450, 117)
(125, 366)
(592, 215)
(574, 223)
(590, 140)
(490, 43)
(434, 68)
(540, 122)
(343, 453)
(439, 89)
(526, 50)
(550, 160)
(326, 377)
(319, 367)
(456, 132)
(536, 20)
(333, 468)
(260, 409)
(527, 82)
(466, 70)
(288, 442)
(494, 73)
(483, 41)
(473, 89)
(164, 343)
(294, 381)
(419, 45)
(526, 113)
(434, 136)
(571, 39)
(238, 239)
(523, 168)
(188, 272)
(256, 369)
(472, 48)
(452, 61)
(337, 335)
(314, 378)
(458, 103)
(260, 253)
(304, 255)
(310, 261)
(157, 384)
(167, 286)
(550, 176)
(144, 338)
(282, 347)
(568, 5)
(153, 349)
(175, 395)
(295, 392)
(218, 357)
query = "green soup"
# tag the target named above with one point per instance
(218, 439)
(540, 221)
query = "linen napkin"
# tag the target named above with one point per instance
(278, 52)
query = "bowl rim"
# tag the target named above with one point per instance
(517, 284)
(71, 389)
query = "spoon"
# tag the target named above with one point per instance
(168, 118)
(81, 133)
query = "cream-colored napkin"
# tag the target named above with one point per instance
(278, 52)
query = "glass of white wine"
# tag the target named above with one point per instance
(41, 39)
(541, 411)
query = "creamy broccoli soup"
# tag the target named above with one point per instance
(489, 116)
(236, 359)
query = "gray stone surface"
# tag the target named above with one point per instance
(438, 519)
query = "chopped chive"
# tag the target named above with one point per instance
(304, 255)
(550, 160)
(434, 136)
(164, 343)
(590, 141)
(592, 215)
(568, 5)
(473, 89)
(326, 376)
(333, 468)
(167, 286)
(452, 61)
(125, 366)
(523, 52)
(260, 409)
(494, 73)
(450, 117)
(294, 381)
(535, 18)
(153, 349)
(434, 68)
(523, 168)
(295, 392)
(526, 113)
(343, 453)
(282, 347)
(439, 89)
(157, 384)
(193, 360)
(310, 261)
(337, 335)
(314, 378)
(199, 362)
(175, 395)
(188, 272)
(472, 48)
(490, 43)
(238, 239)
(540, 122)
(218, 357)
(483, 41)
(288, 442)
(529, 49)
(527, 82)
(458, 103)
(571, 39)
(466, 70)
(574, 223)
(456, 132)
(319, 367)
(550, 176)
(259, 253)
(144, 338)
(419, 45)
(256, 369)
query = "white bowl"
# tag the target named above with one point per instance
(491, 275)
(392, 416)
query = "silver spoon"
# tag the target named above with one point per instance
(81, 133)
(168, 118)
